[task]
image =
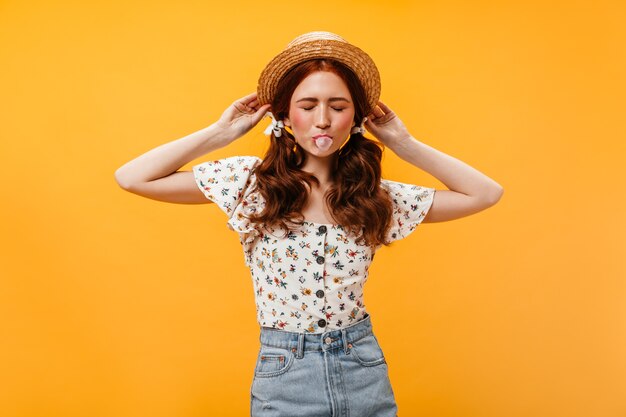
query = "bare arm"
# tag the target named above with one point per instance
(470, 191)
(155, 174)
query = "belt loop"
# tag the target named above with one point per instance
(300, 353)
(345, 341)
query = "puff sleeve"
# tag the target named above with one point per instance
(226, 181)
(410, 205)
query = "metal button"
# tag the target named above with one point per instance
(321, 323)
(320, 260)
(328, 340)
(319, 293)
(322, 229)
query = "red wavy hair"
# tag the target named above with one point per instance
(356, 200)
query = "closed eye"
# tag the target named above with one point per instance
(336, 109)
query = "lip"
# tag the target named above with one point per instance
(322, 136)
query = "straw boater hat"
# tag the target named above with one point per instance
(314, 45)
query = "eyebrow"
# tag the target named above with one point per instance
(330, 99)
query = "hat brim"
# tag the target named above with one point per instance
(353, 57)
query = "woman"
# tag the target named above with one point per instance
(311, 215)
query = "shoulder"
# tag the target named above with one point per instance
(408, 197)
(410, 204)
(397, 188)
(245, 163)
(238, 163)
(227, 181)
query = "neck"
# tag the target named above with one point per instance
(320, 167)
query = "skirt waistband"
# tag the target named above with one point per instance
(301, 342)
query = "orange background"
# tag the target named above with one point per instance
(113, 305)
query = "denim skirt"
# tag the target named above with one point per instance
(337, 373)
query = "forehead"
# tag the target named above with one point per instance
(322, 84)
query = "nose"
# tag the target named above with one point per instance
(322, 120)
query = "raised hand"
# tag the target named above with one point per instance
(241, 116)
(386, 126)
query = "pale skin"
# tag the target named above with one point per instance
(329, 109)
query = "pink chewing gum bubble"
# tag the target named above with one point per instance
(323, 143)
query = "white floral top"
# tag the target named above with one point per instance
(310, 281)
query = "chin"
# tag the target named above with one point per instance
(320, 153)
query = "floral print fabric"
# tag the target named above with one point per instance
(310, 280)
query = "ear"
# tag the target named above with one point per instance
(287, 122)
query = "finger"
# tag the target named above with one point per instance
(260, 113)
(244, 107)
(385, 108)
(378, 112)
(248, 98)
